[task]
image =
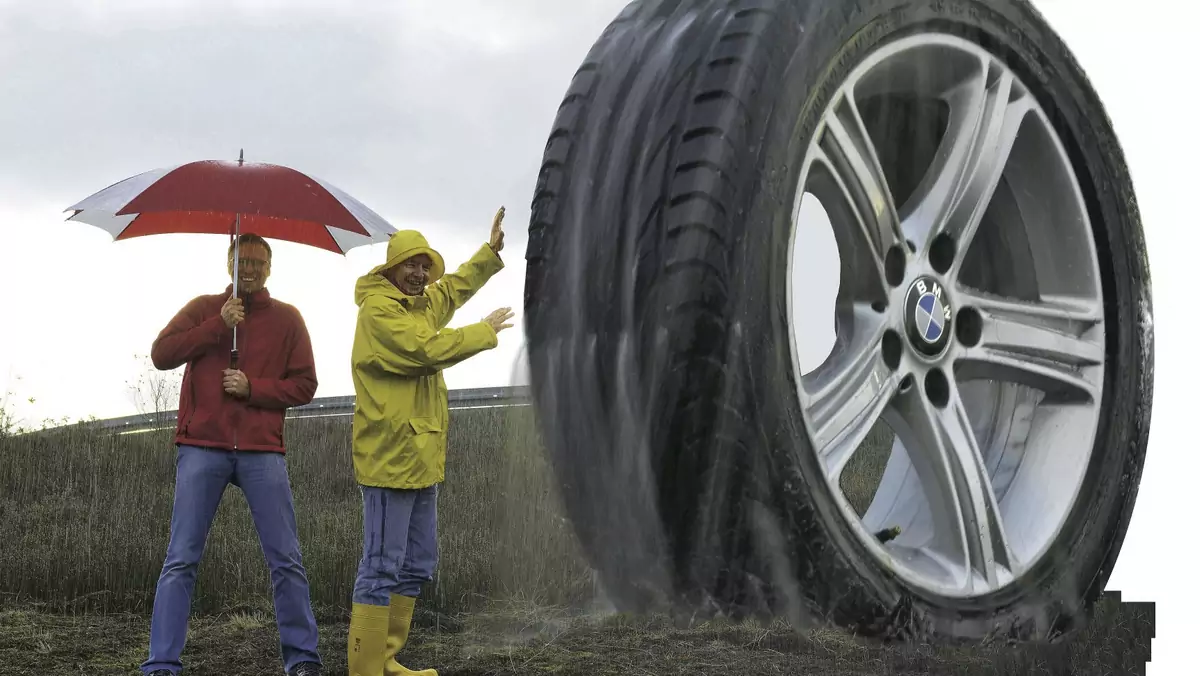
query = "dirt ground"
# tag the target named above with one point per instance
(517, 640)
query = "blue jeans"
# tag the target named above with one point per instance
(200, 479)
(400, 548)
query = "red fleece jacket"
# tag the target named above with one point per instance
(275, 353)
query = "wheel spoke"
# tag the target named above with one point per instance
(1048, 345)
(943, 450)
(849, 153)
(985, 116)
(848, 395)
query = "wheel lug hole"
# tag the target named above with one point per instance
(911, 247)
(892, 347)
(879, 306)
(937, 388)
(894, 263)
(968, 326)
(941, 253)
(906, 384)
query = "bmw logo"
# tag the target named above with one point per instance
(928, 315)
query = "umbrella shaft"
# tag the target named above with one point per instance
(237, 245)
(237, 231)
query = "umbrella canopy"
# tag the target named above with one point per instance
(215, 196)
(226, 198)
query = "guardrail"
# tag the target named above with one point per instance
(482, 397)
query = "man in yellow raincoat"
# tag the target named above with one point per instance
(401, 412)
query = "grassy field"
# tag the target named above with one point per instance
(84, 520)
(83, 527)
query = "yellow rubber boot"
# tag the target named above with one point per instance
(399, 623)
(367, 642)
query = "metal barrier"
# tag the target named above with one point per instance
(482, 397)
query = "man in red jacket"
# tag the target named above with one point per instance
(230, 431)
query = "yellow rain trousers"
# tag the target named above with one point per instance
(401, 346)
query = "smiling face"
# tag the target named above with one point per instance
(411, 275)
(254, 266)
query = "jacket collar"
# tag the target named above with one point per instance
(414, 302)
(257, 299)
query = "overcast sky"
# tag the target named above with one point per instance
(434, 113)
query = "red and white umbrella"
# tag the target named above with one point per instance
(227, 198)
(222, 197)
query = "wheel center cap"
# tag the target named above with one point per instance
(927, 316)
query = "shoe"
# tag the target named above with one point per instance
(306, 669)
(367, 640)
(399, 623)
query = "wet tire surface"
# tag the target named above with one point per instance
(655, 316)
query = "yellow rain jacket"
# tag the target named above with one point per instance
(400, 348)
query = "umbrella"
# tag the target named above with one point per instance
(219, 197)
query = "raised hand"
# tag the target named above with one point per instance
(498, 318)
(497, 239)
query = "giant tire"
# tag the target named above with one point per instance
(656, 315)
